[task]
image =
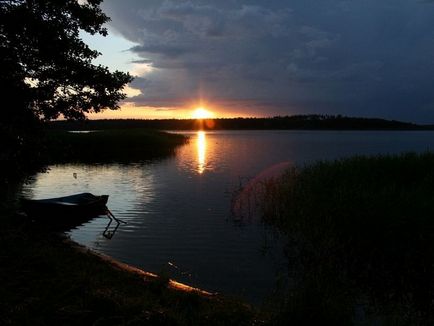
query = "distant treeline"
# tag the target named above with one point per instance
(295, 122)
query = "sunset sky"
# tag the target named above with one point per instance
(264, 58)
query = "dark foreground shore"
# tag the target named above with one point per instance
(49, 281)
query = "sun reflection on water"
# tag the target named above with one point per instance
(201, 151)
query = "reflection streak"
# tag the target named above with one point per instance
(201, 151)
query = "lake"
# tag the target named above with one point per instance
(178, 210)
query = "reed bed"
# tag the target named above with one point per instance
(104, 146)
(360, 239)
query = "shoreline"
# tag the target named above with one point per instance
(51, 280)
(147, 276)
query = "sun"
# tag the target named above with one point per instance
(202, 113)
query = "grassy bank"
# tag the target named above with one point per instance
(47, 282)
(110, 145)
(361, 239)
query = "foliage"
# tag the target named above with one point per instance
(361, 234)
(21, 154)
(47, 71)
(47, 68)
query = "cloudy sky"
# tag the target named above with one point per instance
(263, 58)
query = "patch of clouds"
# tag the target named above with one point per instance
(302, 56)
(131, 92)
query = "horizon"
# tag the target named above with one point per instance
(202, 120)
(96, 118)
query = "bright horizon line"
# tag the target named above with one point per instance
(250, 117)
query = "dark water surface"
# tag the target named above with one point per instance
(178, 210)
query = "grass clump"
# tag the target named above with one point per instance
(361, 239)
(104, 146)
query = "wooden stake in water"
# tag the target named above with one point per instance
(107, 233)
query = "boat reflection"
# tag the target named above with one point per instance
(201, 151)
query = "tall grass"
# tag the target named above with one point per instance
(110, 145)
(361, 238)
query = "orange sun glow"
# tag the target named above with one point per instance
(202, 113)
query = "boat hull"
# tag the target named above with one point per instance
(66, 211)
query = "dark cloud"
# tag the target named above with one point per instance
(142, 61)
(368, 57)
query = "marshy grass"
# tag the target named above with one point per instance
(361, 239)
(105, 146)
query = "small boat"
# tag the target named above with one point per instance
(69, 210)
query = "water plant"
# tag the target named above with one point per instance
(105, 146)
(360, 238)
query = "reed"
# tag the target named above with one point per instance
(107, 146)
(361, 236)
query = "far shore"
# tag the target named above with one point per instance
(295, 122)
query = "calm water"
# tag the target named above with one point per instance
(178, 209)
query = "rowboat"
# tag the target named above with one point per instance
(68, 210)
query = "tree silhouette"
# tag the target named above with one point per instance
(46, 69)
